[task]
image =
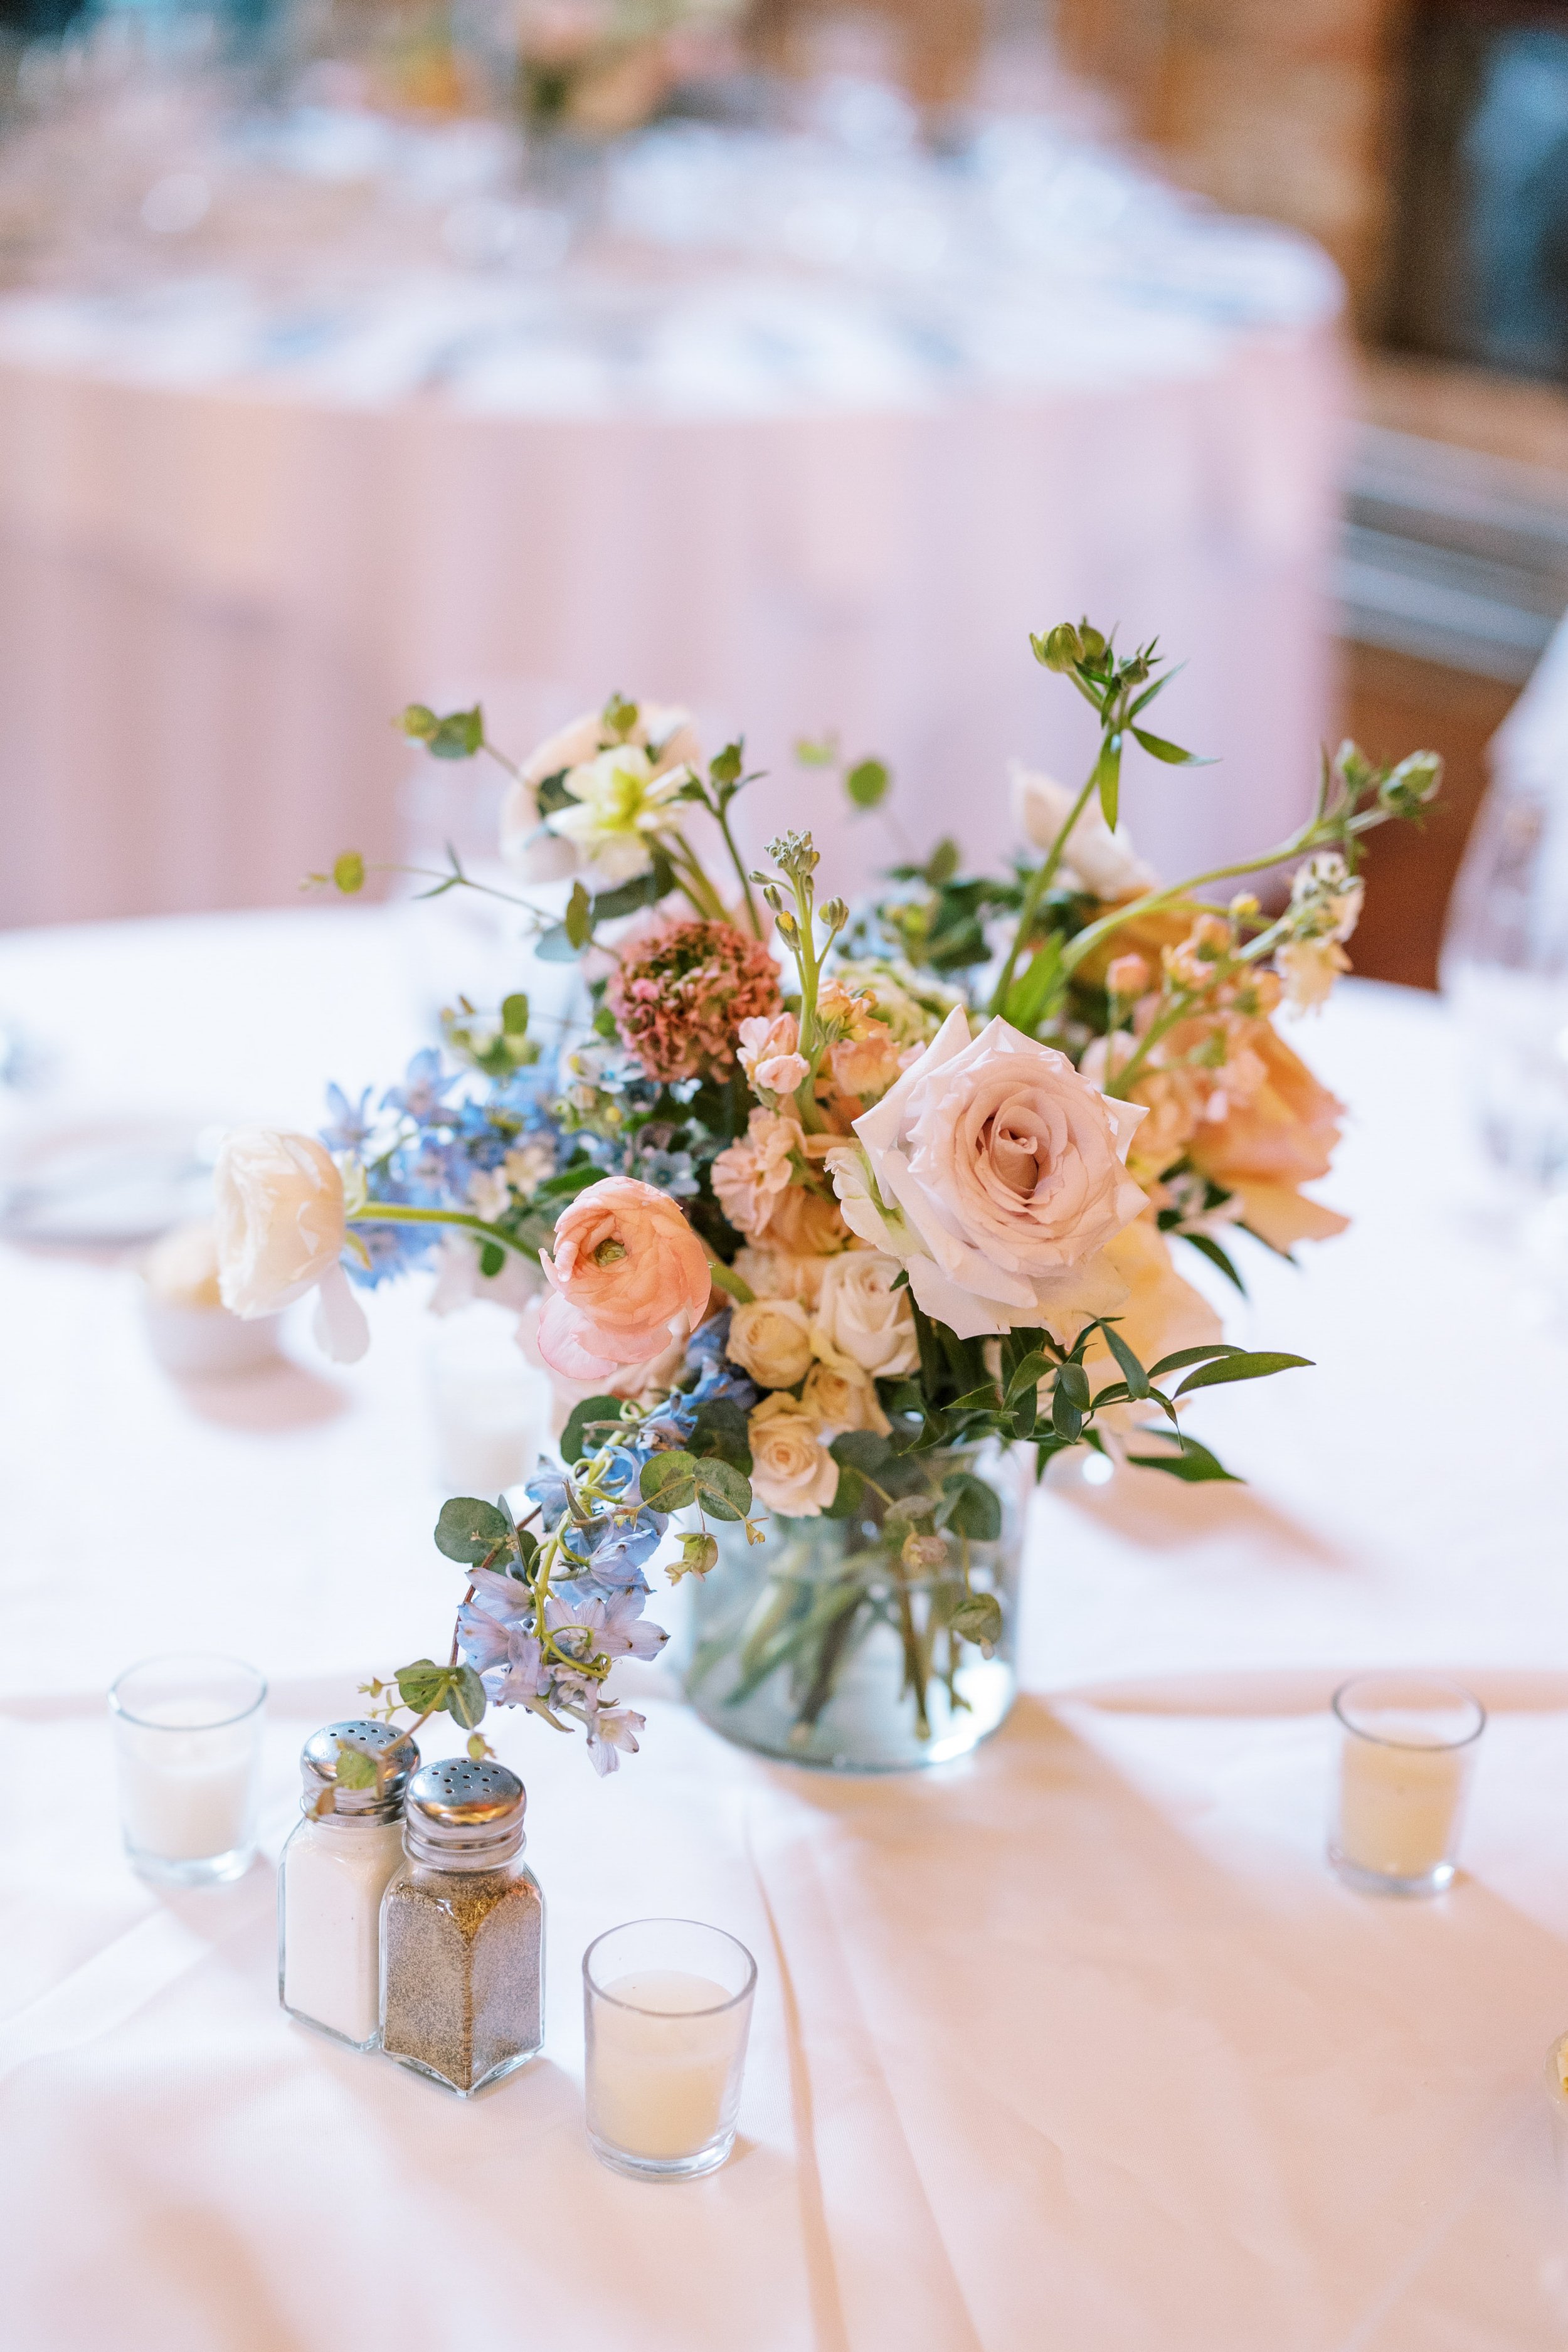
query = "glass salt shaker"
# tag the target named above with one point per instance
(462, 1931)
(331, 1880)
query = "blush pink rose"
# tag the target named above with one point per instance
(625, 1265)
(996, 1172)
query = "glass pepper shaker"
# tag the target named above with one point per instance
(462, 1930)
(333, 1872)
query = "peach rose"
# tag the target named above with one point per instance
(771, 1339)
(781, 1274)
(843, 1398)
(792, 1470)
(625, 1265)
(995, 1173)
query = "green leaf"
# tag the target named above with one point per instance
(1031, 992)
(579, 925)
(977, 1400)
(1028, 1376)
(642, 891)
(725, 766)
(492, 1257)
(1066, 1418)
(978, 1619)
(699, 1554)
(356, 1769)
(464, 1701)
(554, 946)
(1171, 754)
(575, 1441)
(457, 736)
(942, 864)
(867, 783)
(470, 1530)
(1207, 1247)
(816, 755)
(969, 1508)
(849, 1496)
(551, 794)
(1193, 1355)
(1133, 1371)
(719, 1433)
(570, 1182)
(1072, 1381)
(349, 873)
(669, 1481)
(1242, 1365)
(1108, 778)
(514, 1015)
(420, 1686)
(1193, 1464)
(862, 1449)
(722, 1489)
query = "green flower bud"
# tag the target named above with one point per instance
(1416, 780)
(1061, 649)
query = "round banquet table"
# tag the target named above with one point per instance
(1079, 2043)
(797, 482)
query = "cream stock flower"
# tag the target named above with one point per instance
(861, 1319)
(626, 1264)
(281, 1226)
(792, 1470)
(843, 1398)
(1095, 859)
(751, 1177)
(1309, 968)
(996, 1172)
(771, 1339)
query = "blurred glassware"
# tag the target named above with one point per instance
(1505, 954)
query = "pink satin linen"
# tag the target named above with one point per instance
(1078, 2045)
(218, 585)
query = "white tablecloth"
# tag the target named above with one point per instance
(1078, 2043)
(237, 534)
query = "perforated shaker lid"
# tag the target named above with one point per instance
(460, 1813)
(397, 1755)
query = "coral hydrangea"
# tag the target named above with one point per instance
(682, 991)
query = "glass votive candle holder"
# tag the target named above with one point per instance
(1406, 1756)
(668, 2006)
(187, 1758)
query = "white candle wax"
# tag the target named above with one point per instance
(658, 2074)
(1399, 1805)
(185, 1795)
(334, 1875)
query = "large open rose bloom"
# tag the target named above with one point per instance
(625, 1265)
(999, 1177)
(281, 1226)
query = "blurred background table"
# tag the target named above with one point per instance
(805, 428)
(1077, 2039)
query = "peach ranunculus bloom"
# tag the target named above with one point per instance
(996, 1175)
(625, 1265)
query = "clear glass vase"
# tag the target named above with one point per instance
(857, 1644)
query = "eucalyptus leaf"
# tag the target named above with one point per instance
(464, 1700)
(867, 783)
(862, 1449)
(719, 1433)
(722, 1489)
(470, 1530)
(668, 1481)
(579, 924)
(514, 1015)
(849, 1496)
(969, 1508)
(978, 1619)
(575, 1441)
(349, 873)
(420, 1686)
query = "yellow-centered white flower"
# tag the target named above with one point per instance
(620, 801)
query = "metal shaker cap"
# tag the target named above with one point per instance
(381, 1802)
(464, 1816)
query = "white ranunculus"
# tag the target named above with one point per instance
(995, 1173)
(861, 1319)
(280, 1231)
(1095, 858)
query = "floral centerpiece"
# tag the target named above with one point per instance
(820, 1220)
